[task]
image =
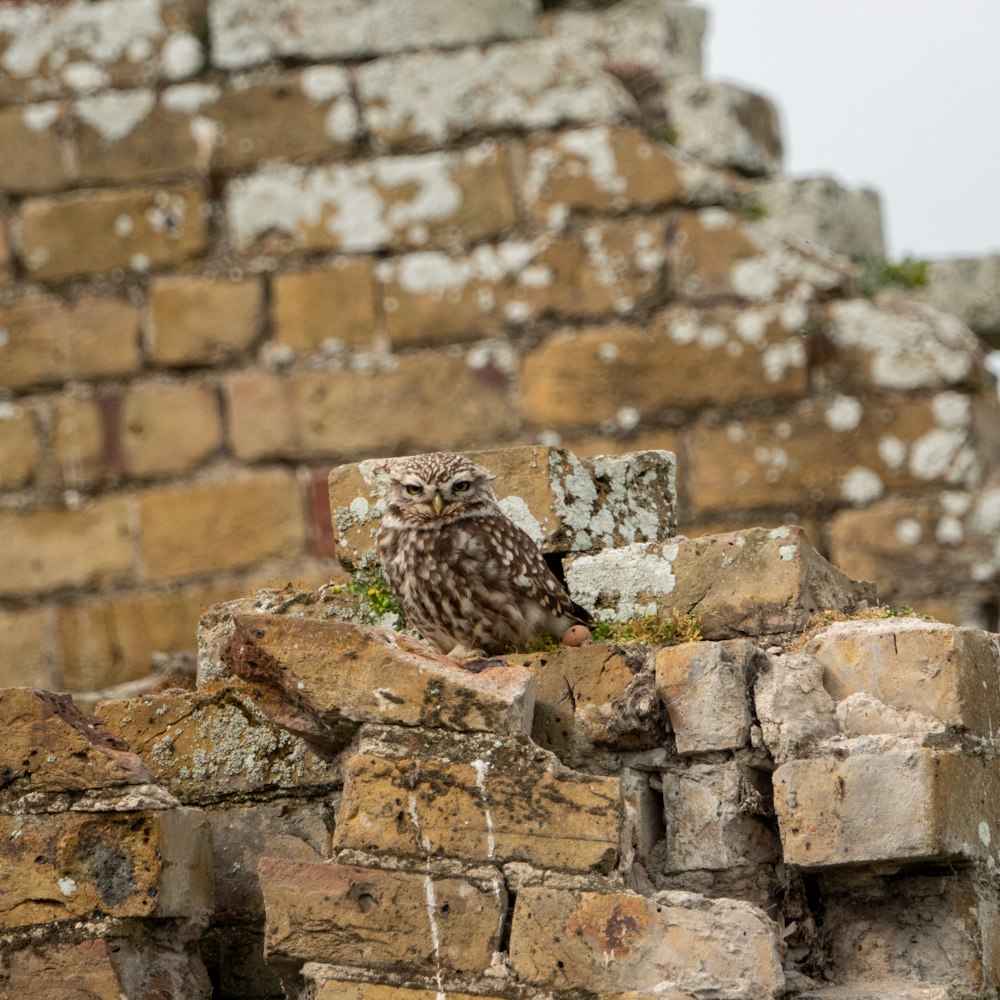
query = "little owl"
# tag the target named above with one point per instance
(472, 582)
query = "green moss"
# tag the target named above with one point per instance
(880, 272)
(650, 631)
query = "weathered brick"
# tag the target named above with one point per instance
(715, 254)
(43, 341)
(478, 799)
(705, 688)
(318, 29)
(948, 674)
(19, 449)
(607, 169)
(33, 131)
(208, 744)
(86, 437)
(49, 745)
(6, 259)
(49, 549)
(55, 49)
(312, 414)
(28, 653)
(405, 202)
(716, 818)
(564, 504)
(93, 231)
(840, 449)
(322, 678)
(325, 307)
(199, 528)
(324, 912)
(435, 97)
(618, 941)
(70, 866)
(340, 989)
(684, 358)
(198, 321)
(750, 583)
(862, 804)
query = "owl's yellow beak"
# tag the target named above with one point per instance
(438, 504)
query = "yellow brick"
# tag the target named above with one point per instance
(44, 341)
(93, 231)
(47, 550)
(84, 431)
(209, 527)
(28, 648)
(39, 163)
(194, 320)
(18, 447)
(334, 302)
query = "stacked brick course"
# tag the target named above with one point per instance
(239, 246)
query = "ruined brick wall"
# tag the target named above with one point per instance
(243, 242)
(790, 807)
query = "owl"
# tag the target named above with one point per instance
(472, 582)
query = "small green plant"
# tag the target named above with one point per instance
(880, 272)
(375, 597)
(650, 630)
(666, 134)
(755, 209)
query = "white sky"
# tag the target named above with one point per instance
(899, 95)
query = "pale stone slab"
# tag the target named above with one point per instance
(970, 289)
(619, 941)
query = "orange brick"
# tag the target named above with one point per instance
(39, 164)
(19, 449)
(682, 359)
(332, 303)
(47, 550)
(28, 648)
(209, 527)
(169, 427)
(195, 320)
(43, 341)
(826, 450)
(311, 414)
(92, 231)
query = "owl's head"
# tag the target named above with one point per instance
(439, 486)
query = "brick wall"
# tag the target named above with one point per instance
(239, 245)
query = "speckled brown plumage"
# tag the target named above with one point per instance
(472, 582)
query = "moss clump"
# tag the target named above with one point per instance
(880, 272)
(646, 631)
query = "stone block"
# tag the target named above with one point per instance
(48, 745)
(19, 449)
(746, 583)
(885, 799)
(93, 231)
(437, 97)
(564, 504)
(73, 865)
(33, 130)
(350, 915)
(682, 358)
(48, 550)
(66, 49)
(618, 941)
(705, 688)
(836, 448)
(717, 254)
(968, 289)
(28, 653)
(325, 308)
(211, 518)
(717, 817)
(45, 342)
(604, 169)
(340, 989)
(405, 202)
(203, 321)
(725, 125)
(308, 415)
(818, 209)
(478, 799)
(318, 29)
(323, 678)
(213, 743)
(948, 675)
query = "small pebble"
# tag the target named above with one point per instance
(576, 635)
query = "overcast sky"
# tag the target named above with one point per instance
(899, 95)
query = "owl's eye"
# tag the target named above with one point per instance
(462, 486)
(414, 490)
